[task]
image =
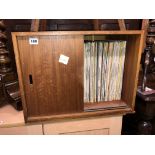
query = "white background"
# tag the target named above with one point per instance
(77, 145)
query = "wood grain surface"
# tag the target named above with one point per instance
(57, 88)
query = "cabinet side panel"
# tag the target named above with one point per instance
(52, 87)
(131, 70)
(20, 75)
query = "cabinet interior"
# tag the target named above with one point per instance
(130, 72)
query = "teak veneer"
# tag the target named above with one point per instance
(52, 90)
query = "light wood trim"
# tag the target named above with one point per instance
(35, 25)
(121, 23)
(20, 76)
(48, 33)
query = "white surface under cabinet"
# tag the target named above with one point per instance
(93, 126)
(22, 130)
(12, 123)
(9, 116)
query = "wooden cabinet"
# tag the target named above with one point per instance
(54, 90)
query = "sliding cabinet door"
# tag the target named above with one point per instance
(52, 71)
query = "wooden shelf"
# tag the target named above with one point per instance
(70, 116)
(105, 105)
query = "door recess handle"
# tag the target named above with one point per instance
(30, 79)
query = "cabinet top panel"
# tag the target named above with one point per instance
(127, 32)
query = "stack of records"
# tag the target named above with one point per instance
(103, 70)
